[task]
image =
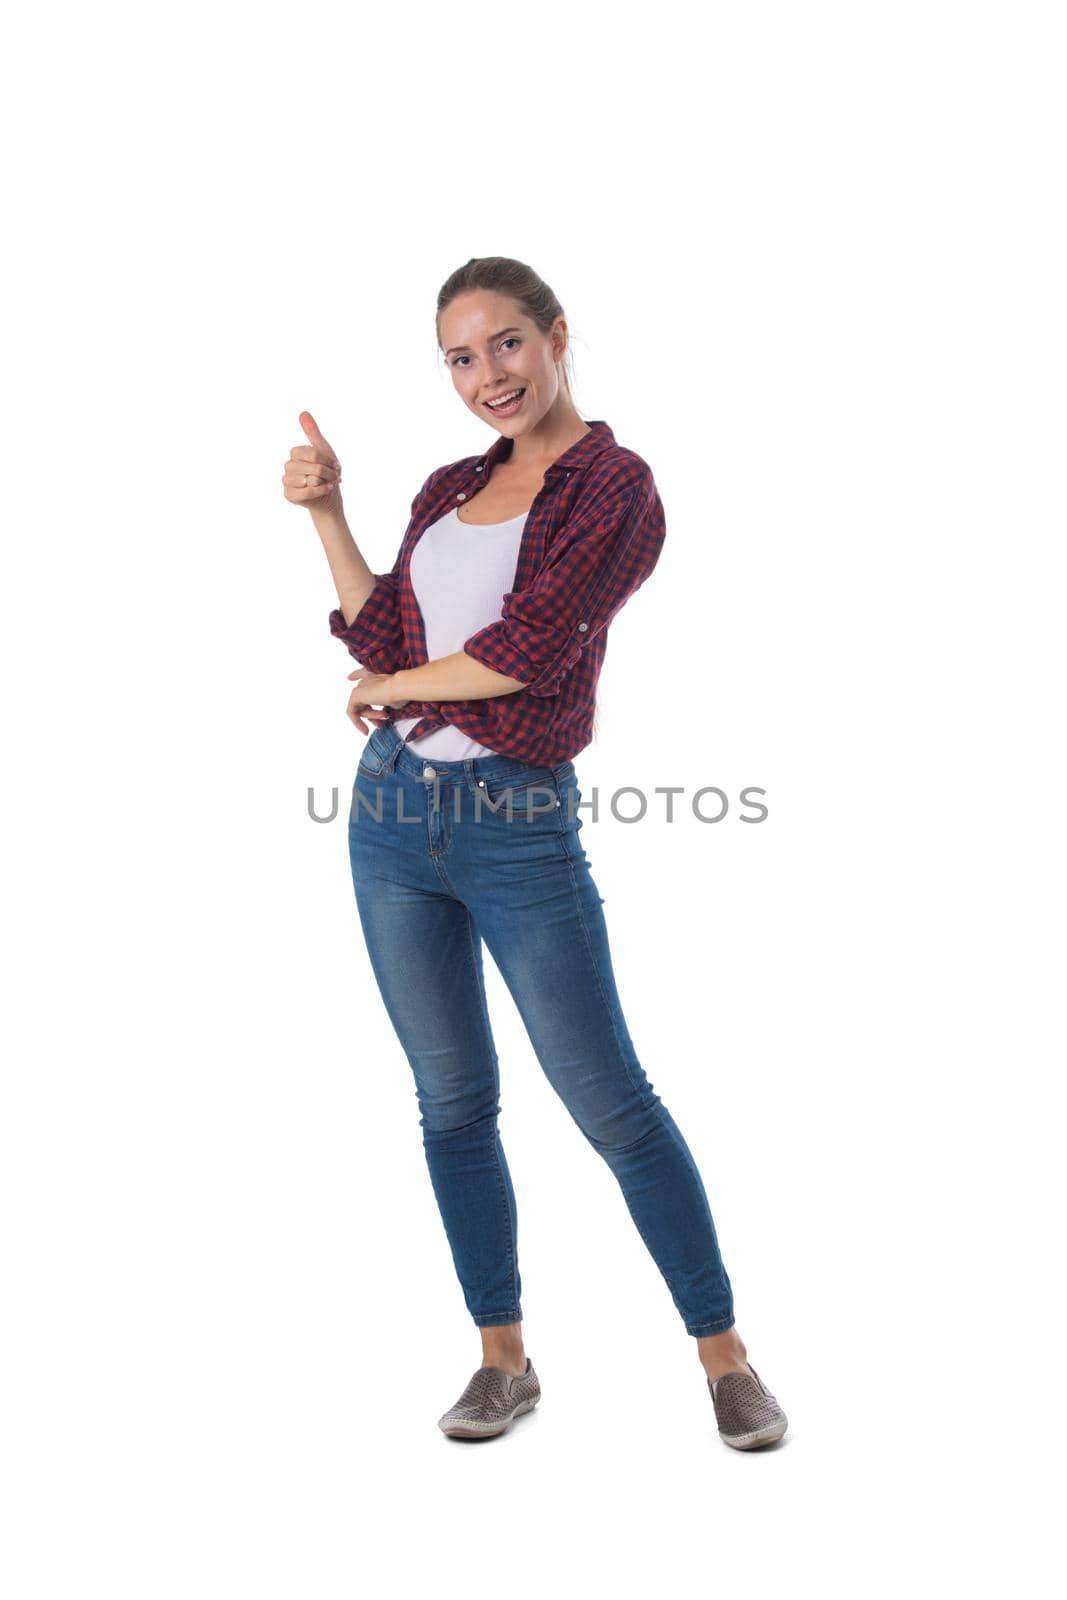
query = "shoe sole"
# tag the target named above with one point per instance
(759, 1436)
(460, 1430)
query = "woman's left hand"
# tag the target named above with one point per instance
(372, 689)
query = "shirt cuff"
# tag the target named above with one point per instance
(380, 655)
(495, 650)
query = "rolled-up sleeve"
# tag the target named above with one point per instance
(603, 555)
(375, 636)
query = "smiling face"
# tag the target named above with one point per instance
(492, 348)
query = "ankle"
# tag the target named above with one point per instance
(723, 1352)
(506, 1352)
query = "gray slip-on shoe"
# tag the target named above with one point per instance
(489, 1402)
(746, 1411)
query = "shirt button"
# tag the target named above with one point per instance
(461, 497)
(583, 627)
(478, 469)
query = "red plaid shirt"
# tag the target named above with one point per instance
(593, 535)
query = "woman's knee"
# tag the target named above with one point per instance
(625, 1122)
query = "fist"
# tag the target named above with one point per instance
(312, 475)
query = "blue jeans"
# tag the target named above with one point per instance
(440, 862)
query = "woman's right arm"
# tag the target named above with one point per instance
(312, 478)
(352, 578)
(368, 619)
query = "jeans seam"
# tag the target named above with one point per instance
(592, 954)
(479, 990)
(611, 1015)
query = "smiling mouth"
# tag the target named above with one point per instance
(509, 407)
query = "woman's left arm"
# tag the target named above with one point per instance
(605, 550)
(455, 677)
(602, 556)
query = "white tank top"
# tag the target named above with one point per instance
(460, 573)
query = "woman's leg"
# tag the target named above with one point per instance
(536, 906)
(427, 961)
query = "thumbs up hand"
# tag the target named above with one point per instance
(312, 475)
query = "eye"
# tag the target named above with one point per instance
(512, 338)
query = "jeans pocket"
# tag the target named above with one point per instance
(536, 785)
(371, 764)
(526, 805)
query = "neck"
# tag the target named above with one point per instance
(558, 429)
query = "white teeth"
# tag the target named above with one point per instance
(502, 399)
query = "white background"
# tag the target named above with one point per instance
(812, 258)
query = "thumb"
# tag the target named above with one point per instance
(311, 428)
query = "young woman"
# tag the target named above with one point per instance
(479, 657)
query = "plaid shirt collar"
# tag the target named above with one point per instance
(580, 454)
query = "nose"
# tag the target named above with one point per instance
(497, 379)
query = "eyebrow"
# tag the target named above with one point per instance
(492, 338)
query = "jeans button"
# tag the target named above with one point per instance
(427, 772)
